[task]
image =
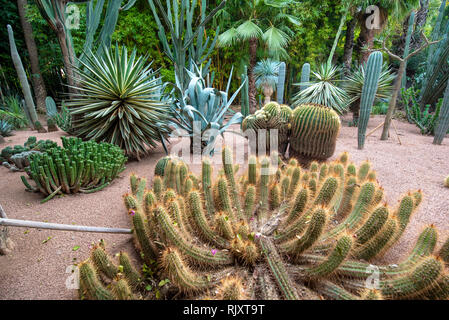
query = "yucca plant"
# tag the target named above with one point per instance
(324, 89)
(353, 85)
(13, 112)
(120, 101)
(267, 74)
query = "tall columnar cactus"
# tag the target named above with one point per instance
(321, 240)
(52, 113)
(373, 70)
(305, 76)
(281, 83)
(76, 167)
(244, 97)
(314, 131)
(31, 108)
(442, 126)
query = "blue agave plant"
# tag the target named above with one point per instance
(203, 109)
(5, 128)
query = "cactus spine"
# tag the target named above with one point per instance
(373, 70)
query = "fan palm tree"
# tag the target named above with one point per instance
(254, 22)
(267, 73)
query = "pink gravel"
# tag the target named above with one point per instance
(37, 270)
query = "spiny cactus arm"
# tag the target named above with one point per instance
(307, 240)
(180, 274)
(278, 269)
(275, 196)
(346, 203)
(133, 278)
(223, 199)
(263, 188)
(334, 260)
(228, 167)
(378, 243)
(444, 251)
(363, 201)
(224, 226)
(103, 263)
(201, 223)
(327, 192)
(158, 187)
(298, 207)
(121, 290)
(294, 181)
(422, 277)
(372, 226)
(371, 294)
(334, 291)
(404, 212)
(206, 174)
(149, 249)
(91, 286)
(250, 201)
(231, 288)
(196, 254)
(440, 291)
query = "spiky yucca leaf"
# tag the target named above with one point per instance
(120, 101)
(324, 90)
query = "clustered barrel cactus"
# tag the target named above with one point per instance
(76, 167)
(277, 232)
(295, 127)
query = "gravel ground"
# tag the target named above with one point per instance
(36, 269)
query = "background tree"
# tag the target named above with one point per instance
(253, 22)
(37, 81)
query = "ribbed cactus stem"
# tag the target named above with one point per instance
(197, 254)
(149, 250)
(228, 166)
(121, 290)
(91, 285)
(250, 201)
(333, 261)
(278, 269)
(103, 263)
(132, 276)
(305, 76)
(373, 225)
(369, 90)
(206, 173)
(423, 276)
(180, 274)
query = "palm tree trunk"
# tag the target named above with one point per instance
(36, 79)
(392, 105)
(349, 44)
(251, 76)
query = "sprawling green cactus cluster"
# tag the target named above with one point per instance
(277, 232)
(76, 167)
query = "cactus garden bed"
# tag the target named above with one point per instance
(37, 269)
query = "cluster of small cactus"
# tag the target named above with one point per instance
(311, 130)
(76, 167)
(18, 155)
(276, 232)
(272, 116)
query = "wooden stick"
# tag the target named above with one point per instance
(375, 129)
(61, 227)
(395, 130)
